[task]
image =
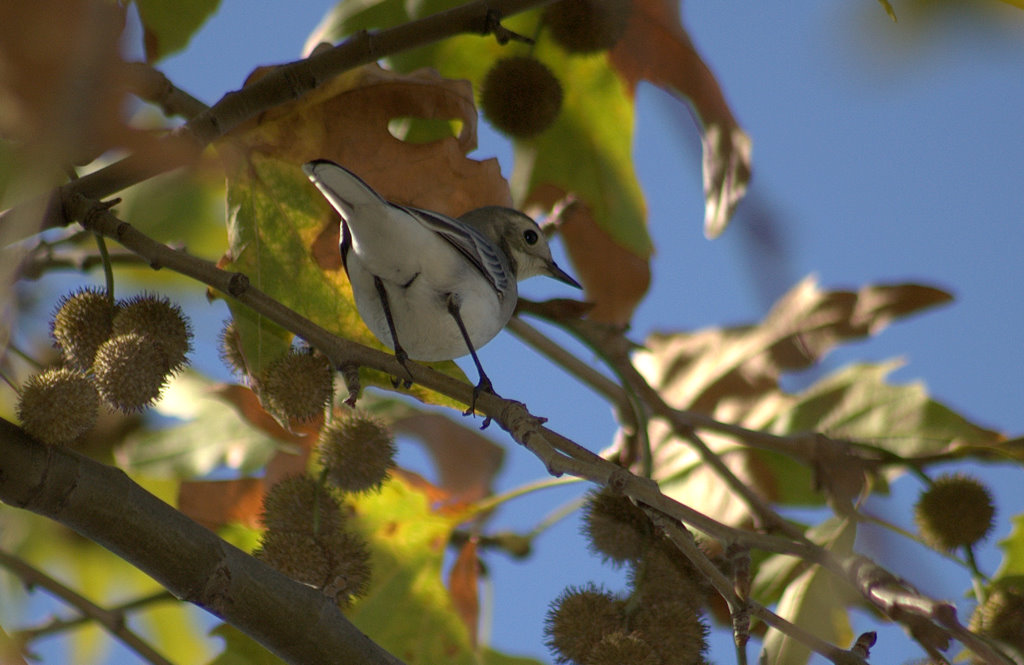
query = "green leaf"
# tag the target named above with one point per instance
(816, 601)
(407, 539)
(857, 403)
(1013, 551)
(211, 434)
(240, 649)
(168, 25)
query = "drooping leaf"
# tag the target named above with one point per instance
(168, 25)
(656, 48)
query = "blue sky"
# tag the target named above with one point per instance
(882, 153)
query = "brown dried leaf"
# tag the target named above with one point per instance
(614, 278)
(467, 461)
(62, 82)
(347, 119)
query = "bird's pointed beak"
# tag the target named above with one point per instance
(562, 276)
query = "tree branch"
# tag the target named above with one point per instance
(292, 620)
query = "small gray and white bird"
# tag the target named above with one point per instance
(429, 286)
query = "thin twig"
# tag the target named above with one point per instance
(113, 622)
(60, 625)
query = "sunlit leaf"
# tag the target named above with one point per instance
(657, 48)
(407, 538)
(733, 374)
(208, 434)
(816, 601)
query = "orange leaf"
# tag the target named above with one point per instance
(463, 587)
(613, 277)
(214, 503)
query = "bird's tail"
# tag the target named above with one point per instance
(344, 189)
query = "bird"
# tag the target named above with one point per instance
(429, 286)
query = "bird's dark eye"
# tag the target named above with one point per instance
(530, 236)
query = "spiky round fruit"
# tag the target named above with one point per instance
(1001, 616)
(356, 451)
(160, 321)
(231, 349)
(130, 372)
(58, 405)
(579, 618)
(615, 527)
(955, 511)
(335, 562)
(620, 647)
(674, 631)
(663, 574)
(520, 96)
(301, 504)
(587, 26)
(297, 386)
(82, 323)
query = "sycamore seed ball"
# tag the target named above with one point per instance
(160, 321)
(357, 451)
(615, 527)
(1001, 616)
(297, 386)
(619, 648)
(579, 618)
(231, 349)
(58, 405)
(520, 96)
(130, 372)
(587, 26)
(83, 321)
(335, 562)
(955, 511)
(301, 504)
(674, 631)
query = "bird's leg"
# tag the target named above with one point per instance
(400, 355)
(485, 383)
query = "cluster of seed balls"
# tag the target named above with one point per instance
(520, 95)
(121, 353)
(307, 536)
(658, 622)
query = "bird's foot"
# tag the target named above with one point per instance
(484, 386)
(402, 357)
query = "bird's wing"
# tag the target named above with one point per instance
(478, 250)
